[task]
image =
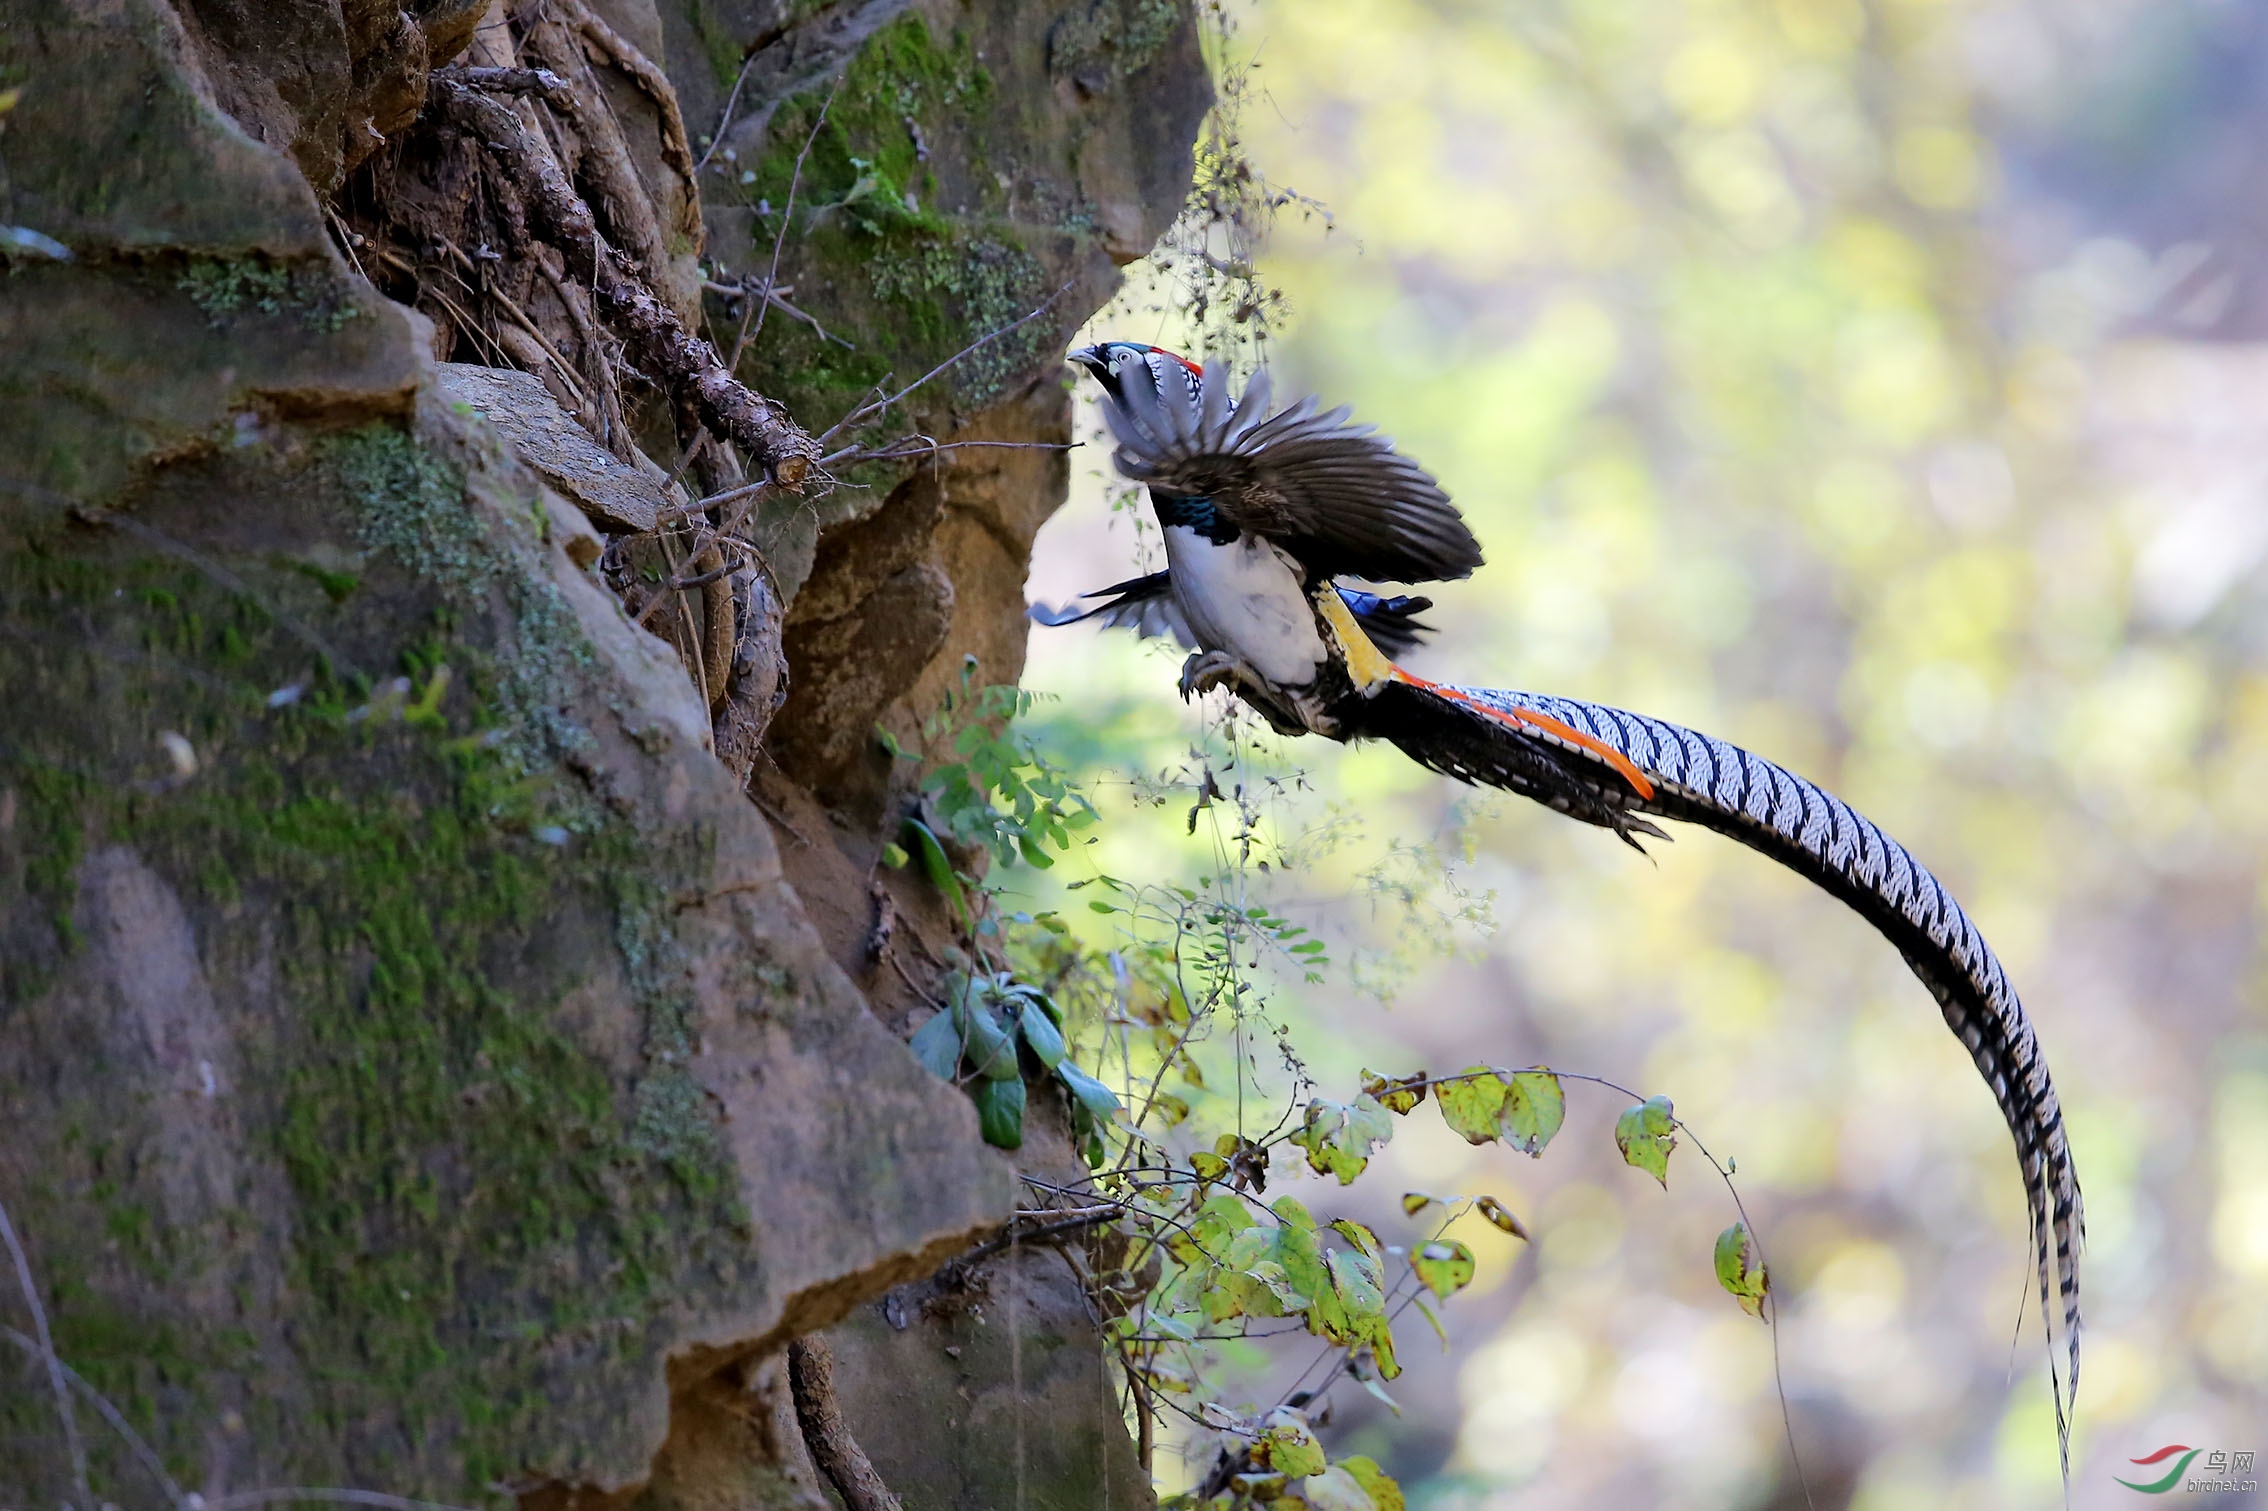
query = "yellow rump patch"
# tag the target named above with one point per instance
(1367, 665)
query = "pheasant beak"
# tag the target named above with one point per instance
(1094, 359)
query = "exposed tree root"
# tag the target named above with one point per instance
(623, 55)
(811, 1372)
(655, 342)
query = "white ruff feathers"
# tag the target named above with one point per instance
(1246, 598)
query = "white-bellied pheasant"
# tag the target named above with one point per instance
(1263, 512)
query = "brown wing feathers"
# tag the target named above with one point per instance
(1337, 496)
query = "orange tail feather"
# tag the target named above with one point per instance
(1545, 722)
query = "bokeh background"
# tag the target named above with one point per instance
(1879, 384)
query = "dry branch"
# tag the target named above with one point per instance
(513, 81)
(657, 343)
(876, 407)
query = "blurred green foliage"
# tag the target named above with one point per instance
(1788, 407)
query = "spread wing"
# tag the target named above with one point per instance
(1337, 496)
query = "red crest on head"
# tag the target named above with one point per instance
(1194, 370)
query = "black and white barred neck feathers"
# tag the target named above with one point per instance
(1337, 496)
(1706, 781)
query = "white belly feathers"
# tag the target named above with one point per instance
(1245, 598)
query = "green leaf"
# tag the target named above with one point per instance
(1215, 1227)
(1645, 1137)
(1471, 1106)
(1041, 1035)
(1396, 1096)
(1445, 1265)
(1265, 1290)
(1359, 1235)
(894, 856)
(1338, 1139)
(939, 869)
(1000, 1112)
(1376, 1483)
(1500, 1216)
(989, 1048)
(1356, 1277)
(1225, 1298)
(1166, 1326)
(1740, 1269)
(937, 1045)
(1207, 1166)
(1291, 1214)
(1287, 1445)
(1100, 1101)
(1414, 1202)
(1534, 1107)
(1308, 1273)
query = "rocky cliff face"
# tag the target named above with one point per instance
(427, 1069)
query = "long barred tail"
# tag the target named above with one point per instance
(1573, 756)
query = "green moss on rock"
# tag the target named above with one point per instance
(1110, 39)
(310, 290)
(484, 1202)
(870, 234)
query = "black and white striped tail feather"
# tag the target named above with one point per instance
(1702, 780)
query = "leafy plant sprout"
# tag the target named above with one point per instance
(1167, 983)
(1185, 1257)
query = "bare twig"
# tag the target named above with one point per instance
(683, 363)
(970, 350)
(520, 318)
(1078, 1222)
(779, 818)
(378, 1498)
(924, 446)
(1146, 1415)
(704, 505)
(703, 579)
(912, 985)
(143, 1453)
(55, 1380)
(777, 299)
(724, 120)
(787, 218)
(347, 240)
(811, 1375)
